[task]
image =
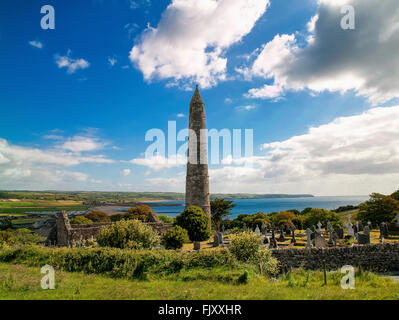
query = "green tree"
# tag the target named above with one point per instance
(256, 220)
(142, 213)
(220, 209)
(174, 238)
(379, 208)
(196, 222)
(395, 195)
(322, 215)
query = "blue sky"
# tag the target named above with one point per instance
(77, 101)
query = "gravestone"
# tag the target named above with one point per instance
(360, 226)
(293, 240)
(257, 231)
(216, 241)
(281, 238)
(223, 228)
(245, 227)
(349, 230)
(220, 235)
(340, 232)
(266, 240)
(263, 228)
(320, 242)
(364, 238)
(308, 239)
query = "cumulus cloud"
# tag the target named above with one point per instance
(190, 41)
(81, 143)
(364, 60)
(24, 167)
(72, 65)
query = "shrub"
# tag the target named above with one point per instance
(245, 246)
(5, 223)
(118, 217)
(98, 217)
(142, 213)
(80, 220)
(196, 222)
(174, 238)
(166, 219)
(10, 238)
(128, 234)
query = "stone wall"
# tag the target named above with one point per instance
(63, 232)
(378, 257)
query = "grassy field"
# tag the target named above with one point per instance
(22, 282)
(21, 207)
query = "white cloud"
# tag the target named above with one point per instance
(36, 44)
(33, 168)
(72, 65)
(266, 92)
(159, 162)
(350, 155)
(364, 60)
(190, 41)
(246, 108)
(180, 115)
(80, 143)
(125, 172)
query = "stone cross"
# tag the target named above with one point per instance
(319, 227)
(349, 218)
(308, 234)
(330, 232)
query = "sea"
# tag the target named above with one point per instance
(252, 206)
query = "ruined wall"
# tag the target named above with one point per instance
(378, 257)
(63, 232)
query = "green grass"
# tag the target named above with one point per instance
(22, 282)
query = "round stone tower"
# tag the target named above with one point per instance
(197, 179)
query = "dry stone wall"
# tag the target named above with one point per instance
(377, 257)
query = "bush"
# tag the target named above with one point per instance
(98, 217)
(5, 223)
(118, 217)
(80, 220)
(245, 246)
(128, 234)
(174, 238)
(196, 222)
(10, 238)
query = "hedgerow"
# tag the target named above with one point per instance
(117, 262)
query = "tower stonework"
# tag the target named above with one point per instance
(197, 179)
